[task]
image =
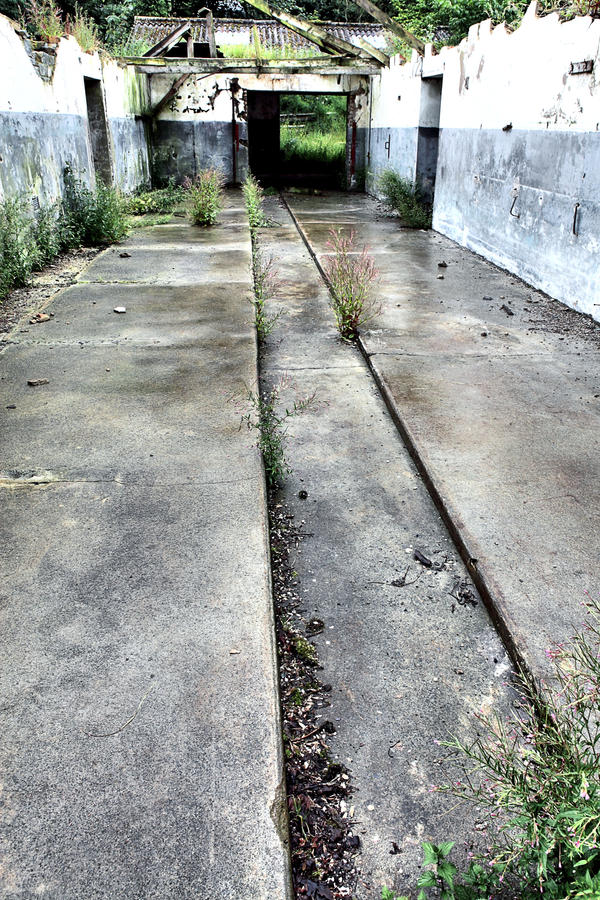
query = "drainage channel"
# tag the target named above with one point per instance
(366, 573)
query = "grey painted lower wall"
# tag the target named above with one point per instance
(541, 175)
(131, 158)
(401, 156)
(35, 148)
(182, 148)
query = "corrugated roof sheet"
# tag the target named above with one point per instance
(152, 29)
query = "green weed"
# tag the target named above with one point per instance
(253, 198)
(18, 248)
(205, 194)
(162, 200)
(405, 198)
(91, 218)
(351, 274)
(386, 894)
(30, 241)
(265, 417)
(537, 775)
(84, 30)
(257, 50)
(266, 285)
(48, 235)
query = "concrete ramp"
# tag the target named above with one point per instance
(140, 751)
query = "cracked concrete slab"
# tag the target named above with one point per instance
(141, 752)
(501, 411)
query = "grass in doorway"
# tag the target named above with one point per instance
(313, 135)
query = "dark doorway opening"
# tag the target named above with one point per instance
(429, 135)
(263, 135)
(298, 140)
(98, 130)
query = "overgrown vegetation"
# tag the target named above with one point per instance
(351, 274)
(44, 19)
(89, 218)
(313, 136)
(257, 50)
(84, 30)
(405, 198)
(266, 417)
(442, 21)
(29, 241)
(205, 193)
(161, 200)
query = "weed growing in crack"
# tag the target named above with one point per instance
(266, 285)
(538, 776)
(406, 198)
(351, 274)
(265, 417)
(205, 193)
(253, 198)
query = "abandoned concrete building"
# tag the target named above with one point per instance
(439, 523)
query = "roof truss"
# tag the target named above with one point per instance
(319, 36)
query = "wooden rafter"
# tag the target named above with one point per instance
(325, 65)
(310, 31)
(391, 25)
(169, 41)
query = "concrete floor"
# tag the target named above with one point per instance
(141, 747)
(501, 412)
(408, 665)
(141, 750)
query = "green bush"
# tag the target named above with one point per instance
(405, 198)
(83, 218)
(18, 249)
(48, 236)
(91, 218)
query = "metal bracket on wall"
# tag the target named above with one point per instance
(575, 222)
(514, 214)
(581, 68)
(388, 145)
